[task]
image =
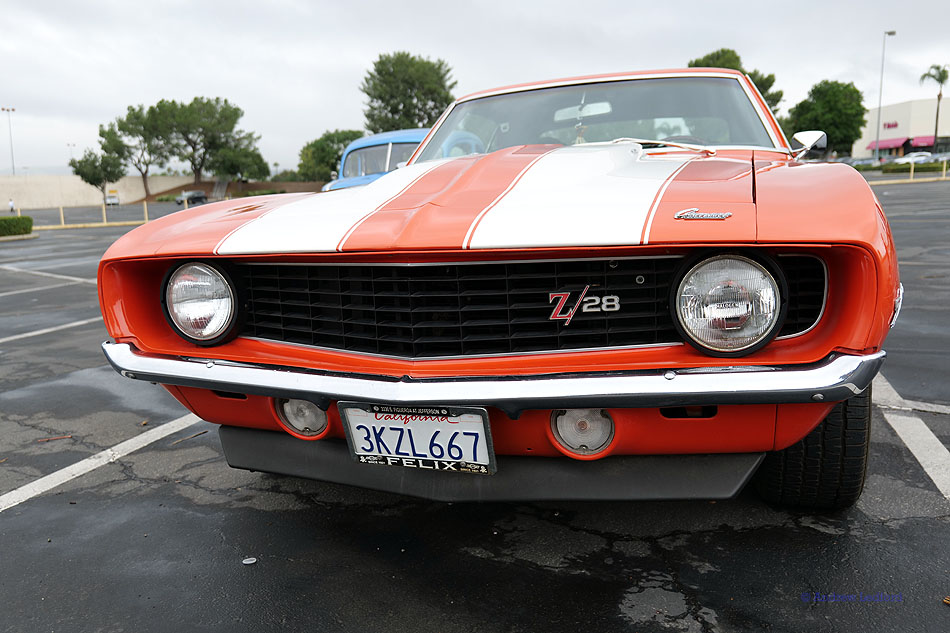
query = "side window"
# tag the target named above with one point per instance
(401, 153)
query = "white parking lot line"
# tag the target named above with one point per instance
(38, 288)
(14, 269)
(926, 447)
(55, 328)
(108, 456)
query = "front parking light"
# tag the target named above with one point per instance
(302, 417)
(583, 431)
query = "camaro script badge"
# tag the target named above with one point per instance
(607, 303)
(696, 214)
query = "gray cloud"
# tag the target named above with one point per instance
(295, 67)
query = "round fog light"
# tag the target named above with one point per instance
(583, 431)
(302, 416)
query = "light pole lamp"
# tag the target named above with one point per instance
(880, 95)
(9, 112)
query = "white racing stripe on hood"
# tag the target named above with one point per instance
(579, 196)
(318, 223)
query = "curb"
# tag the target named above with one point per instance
(16, 238)
(906, 181)
(89, 225)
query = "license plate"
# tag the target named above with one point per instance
(448, 439)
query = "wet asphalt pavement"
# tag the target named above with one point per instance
(155, 541)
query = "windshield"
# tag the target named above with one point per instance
(700, 110)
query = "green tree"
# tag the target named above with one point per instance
(241, 160)
(138, 139)
(406, 91)
(318, 158)
(285, 175)
(834, 107)
(196, 131)
(728, 58)
(98, 170)
(938, 74)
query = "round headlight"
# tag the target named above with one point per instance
(728, 304)
(199, 302)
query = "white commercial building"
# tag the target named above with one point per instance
(905, 127)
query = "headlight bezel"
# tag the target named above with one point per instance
(762, 260)
(231, 328)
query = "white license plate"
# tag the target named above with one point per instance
(450, 439)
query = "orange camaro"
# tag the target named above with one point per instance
(611, 287)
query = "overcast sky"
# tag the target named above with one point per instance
(295, 67)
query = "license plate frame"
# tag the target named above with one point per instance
(415, 432)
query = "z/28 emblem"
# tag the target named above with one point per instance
(607, 303)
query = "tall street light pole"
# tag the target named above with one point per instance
(9, 112)
(880, 95)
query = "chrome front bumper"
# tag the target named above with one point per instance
(833, 379)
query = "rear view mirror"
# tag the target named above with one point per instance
(582, 110)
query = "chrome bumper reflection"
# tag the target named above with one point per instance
(835, 378)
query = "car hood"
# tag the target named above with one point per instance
(537, 196)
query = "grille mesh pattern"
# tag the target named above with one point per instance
(806, 289)
(478, 309)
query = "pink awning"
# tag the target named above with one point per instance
(889, 143)
(922, 141)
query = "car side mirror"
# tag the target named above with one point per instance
(805, 141)
(333, 175)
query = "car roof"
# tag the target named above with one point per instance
(396, 136)
(639, 74)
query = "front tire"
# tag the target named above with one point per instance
(826, 469)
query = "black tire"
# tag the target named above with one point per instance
(826, 469)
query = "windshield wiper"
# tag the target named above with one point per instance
(688, 146)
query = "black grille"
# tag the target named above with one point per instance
(428, 311)
(806, 290)
(457, 309)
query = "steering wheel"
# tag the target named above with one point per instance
(460, 143)
(685, 138)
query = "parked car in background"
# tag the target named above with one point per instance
(192, 197)
(913, 157)
(366, 159)
(623, 286)
(112, 200)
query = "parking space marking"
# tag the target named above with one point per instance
(38, 289)
(55, 328)
(926, 447)
(886, 396)
(108, 456)
(14, 269)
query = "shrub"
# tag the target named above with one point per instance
(19, 225)
(166, 198)
(893, 168)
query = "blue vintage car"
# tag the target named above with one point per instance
(366, 159)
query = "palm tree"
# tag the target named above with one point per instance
(940, 74)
